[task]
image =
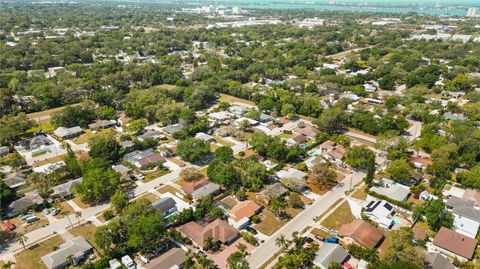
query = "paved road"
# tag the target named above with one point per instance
(59, 226)
(263, 252)
(414, 131)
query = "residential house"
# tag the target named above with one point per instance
(362, 233)
(328, 254)
(291, 172)
(36, 144)
(15, 181)
(380, 212)
(65, 190)
(204, 137)
(206, 190)
(420, 162)
(166, 205)
(221, 117)
(466, 216)
(392, 190)
(309, 131)
(173, 129)
(127, 144)
(237, 110)
(26, 202)
(143, 158)
(4, 151)
(333, 152)
(296, 139)
(272, 192)
(77, 249)
(66, 133)
(238, 122)
(173, 258)
(121, 169)
(190, 187)
(101, 124)
(218, 230)
(152, 134)
(224, 131)
(240, 214)
(435, 260)
(152, 159)
(454, 244)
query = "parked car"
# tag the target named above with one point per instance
(8, 225)
(128, 262)
(251, 230)
(31, 218)
(54, 211)
(139, 176)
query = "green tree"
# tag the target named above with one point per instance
(224, 154)
(323, 175)
(436, 214)
(105, 147)
(331, 120)
(402, 249)
(360, 157)
(99, 182)
(238, 259)
(119, 200)
(13, 127)
(136, 126)
(7, 195)
(400, 171)
(193, 149)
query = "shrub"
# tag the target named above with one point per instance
(108, 214)
(256, 219)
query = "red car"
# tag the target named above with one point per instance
(8, 225)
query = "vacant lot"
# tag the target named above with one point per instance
(31, 258)
(360, 193)
(269, 223)
(232, 99)
(342, 215)
(84, 138)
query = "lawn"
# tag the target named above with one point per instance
(361, 193)
(87, 231)
(223, 142)
(50, 160)
(342, 215)
(149, 196)
(321, 233)
(84, 138)
(232, 99)
(31, 258)
(269, 223)
(79, 202)
(153, 175)
(64, 207)
(169, 189)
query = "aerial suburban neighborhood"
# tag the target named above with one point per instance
(164, 135)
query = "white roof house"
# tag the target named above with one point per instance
(204, 137)
(392, 190)
(291, 173)
(329, 253)
(466, 216)
(381, 212)
(63, 132)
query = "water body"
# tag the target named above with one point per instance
(430, 7)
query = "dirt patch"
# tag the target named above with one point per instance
(269, 223)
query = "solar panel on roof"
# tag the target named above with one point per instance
(388, 206)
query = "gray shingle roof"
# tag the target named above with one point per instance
(76, 247)
(164, 204)
(329, 253)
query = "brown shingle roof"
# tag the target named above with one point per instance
(362, 232)
(218, 230)
(244, 209)
(457, 243)
(192, 186)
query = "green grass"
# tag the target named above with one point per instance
(39, 154)
(31, 258)
(87, 231)
(342, 215)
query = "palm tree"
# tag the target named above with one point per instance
(65, 214)
(78, 214)
(281, 241)
(7, 265)
(69, 259)
(22, 239)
